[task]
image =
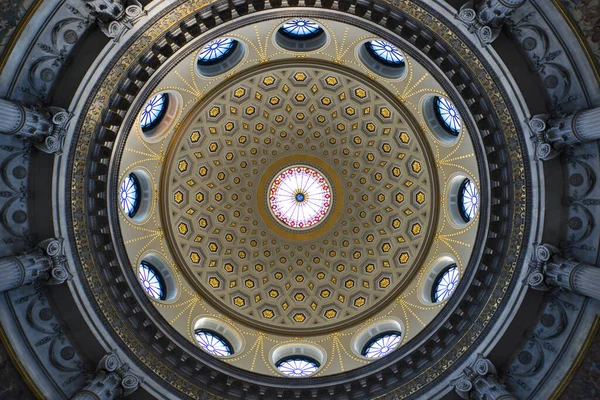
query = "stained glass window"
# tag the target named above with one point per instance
(385, 52)
(152, 281)
(129, 195)
(382, 344)
(447, 114)
(216, 51)
(154, 111)
(444, 284)
(468, 200)
(213, 343)
(301, 28)
(297, 366)
(300, 197)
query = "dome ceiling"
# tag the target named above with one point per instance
(390, 175)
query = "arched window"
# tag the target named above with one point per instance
(297, 366)
(154, 111)
(213, 343)
(301, 28)
(152, 281)
(468, 200)
(217, 50)
(447, 115)
(385, 52)
(444, 284)
(382, 344)
(129, 195)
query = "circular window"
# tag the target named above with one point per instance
(154, 111)
(158, 114)
(445, 284)
(382, 344)
(135, 195)
(442, 118)
(152, 281)
(447, 115)
(297, 366)
(468, 200)
(129, 195)
(213, 343)
(219, 56)
(301, 34)
(300, 197)
(383, 58)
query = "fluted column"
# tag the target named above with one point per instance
(45, 264)
(113, 379)
(550, 269)
(44, 127)
(115, 17)
(480, 381)
(484, 18)
(554, 133)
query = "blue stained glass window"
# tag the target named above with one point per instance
(447, 114)
(129, 195)
(216, 51)
(468, 200)
(152, 281)
(297, 366)
(213, 343)
(154, 111)
(445, 284)
(385, 52)
(301, 28)
(382, 344)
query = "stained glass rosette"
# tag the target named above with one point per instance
(300, 197)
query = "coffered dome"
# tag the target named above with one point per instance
(305, 200)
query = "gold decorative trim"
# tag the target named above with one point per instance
(578, 360)
(17, 33)
(582, 41)
(19, 367)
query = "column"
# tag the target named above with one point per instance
(484, 18)
(115, 17)
(113, 379)
(552, 270)
(44, 127)
(45, 264)
(554, 133)
(480, 381)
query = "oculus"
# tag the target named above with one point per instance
(385, 52)
(300, 197)
(297, 366)
(154, 112)
(152, 281)
(129, 195)
(445, 284)
(447, 115)
(216, 51)
(213, 343)
(468, 200)
(301, 28)
(382, 344)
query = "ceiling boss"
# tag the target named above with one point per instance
(318, 196)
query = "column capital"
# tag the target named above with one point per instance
(115, 17)
(59, 271)
(554, 133)
(113, 379)
(480, 381)
(484, 18)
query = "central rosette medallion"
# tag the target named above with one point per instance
(300, 197)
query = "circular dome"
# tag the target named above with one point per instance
(233, 260)
(300, 197)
